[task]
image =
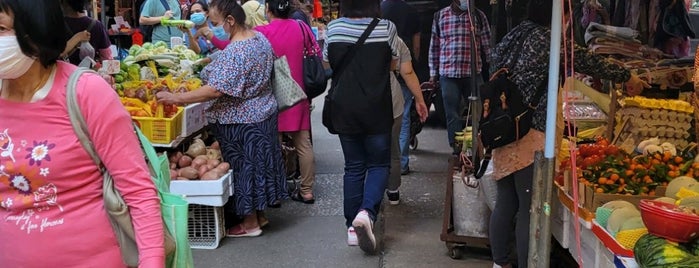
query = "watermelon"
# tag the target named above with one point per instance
(655, 252)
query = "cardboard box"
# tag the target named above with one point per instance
(592, 200)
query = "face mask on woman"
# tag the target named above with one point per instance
(198, 18)
(13, 63)
(220, 33)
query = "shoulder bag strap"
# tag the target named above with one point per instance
(76, 116)
(306, 46)
(346, 59)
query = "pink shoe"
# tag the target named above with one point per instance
(352, 237)
(240, 231)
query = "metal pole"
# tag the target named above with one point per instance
(474, 98)
(542, 184)
(103, 14)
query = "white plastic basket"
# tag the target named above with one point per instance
(206, 226)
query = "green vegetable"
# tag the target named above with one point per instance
(118, 78)
(135, 50)
(147, 46)
(177, 23)
(134, 72)
(160, 44)
(654, 252)
(119, 87)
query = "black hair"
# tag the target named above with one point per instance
(360, 8)
(39, 27)
(539, 11)
(203, 5)
(279, 8)
(230, 8)
(76, 5)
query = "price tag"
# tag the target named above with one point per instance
(111, 66)
(176, 41)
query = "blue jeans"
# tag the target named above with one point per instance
(367, 162)
(454, 90)
(404, 139)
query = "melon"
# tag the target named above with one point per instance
(674, 186)
(616, 204)
(619, 216)
(692, 201)
(668, 200)
(633, 223)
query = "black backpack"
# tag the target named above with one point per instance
(147, 30)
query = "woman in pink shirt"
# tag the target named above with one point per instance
(51, 204)
(287, 37)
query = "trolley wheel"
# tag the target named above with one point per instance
(456, 251)
(413, 143)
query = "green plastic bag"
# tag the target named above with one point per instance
(174, 208)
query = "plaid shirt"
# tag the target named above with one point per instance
(450, 48)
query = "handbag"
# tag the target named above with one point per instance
(285, 89)
(344, 61)
(505, 116)
(315, 79)
(174, 208)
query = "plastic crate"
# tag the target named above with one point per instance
(194, 118)
(161, 130)
(209, 192)
(206, 226)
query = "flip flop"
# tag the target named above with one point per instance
(296, 196)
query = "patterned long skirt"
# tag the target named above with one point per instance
(255, 155)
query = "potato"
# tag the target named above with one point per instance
(173, 165)
(189, 173)
(173, 174)
(215, 145)
(211, 175)
(196, 149)
(199, 161)
(181, 179)
(213, 154)
(184, 161)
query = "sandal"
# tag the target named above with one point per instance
(296, 196)
(262, 221)
(240, 231)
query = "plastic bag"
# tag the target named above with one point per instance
(86, 51)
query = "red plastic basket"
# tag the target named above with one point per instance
(661, 220)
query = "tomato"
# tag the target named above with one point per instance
(611, 150)
(589, 161)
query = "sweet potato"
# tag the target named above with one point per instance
(173, 174)
(199, 161)
(184, 161)
(175, 157)
(173, 165)
(181, 179)
(211, 175)
(214, 162)
(203, 169)
(189, 173)
(223, 167)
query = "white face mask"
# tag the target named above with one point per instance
(13, 63)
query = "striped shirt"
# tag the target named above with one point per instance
(345, 30)
(450, 48)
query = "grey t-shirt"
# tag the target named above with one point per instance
(396, 91)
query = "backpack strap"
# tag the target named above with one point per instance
(167, 7)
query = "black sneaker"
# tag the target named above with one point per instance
(393, 197)
(405, 171)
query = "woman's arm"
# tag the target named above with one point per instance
(597, 66)
(111, 131)
(204, 93)
(408, 74)
(192, 40)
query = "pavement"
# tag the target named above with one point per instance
(301, 235)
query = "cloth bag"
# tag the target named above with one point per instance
(285, 89)
(174, 208)
(315, 79)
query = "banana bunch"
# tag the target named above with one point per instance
(672, 105)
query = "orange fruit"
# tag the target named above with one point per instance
(678, 160)
(602, 180)
(614, 177)
(599, 190)
(628, 172)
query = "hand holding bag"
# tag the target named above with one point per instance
(285, 89)
(174, 208)
(315, 80)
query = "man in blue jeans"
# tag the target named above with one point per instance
(450, 58)
(407, 22)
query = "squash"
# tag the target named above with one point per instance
(654, 252)
(633, 223)
(616, 204)
(690, 201)
(668, 200)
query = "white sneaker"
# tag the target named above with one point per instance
(352, 237)
(365, 235)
